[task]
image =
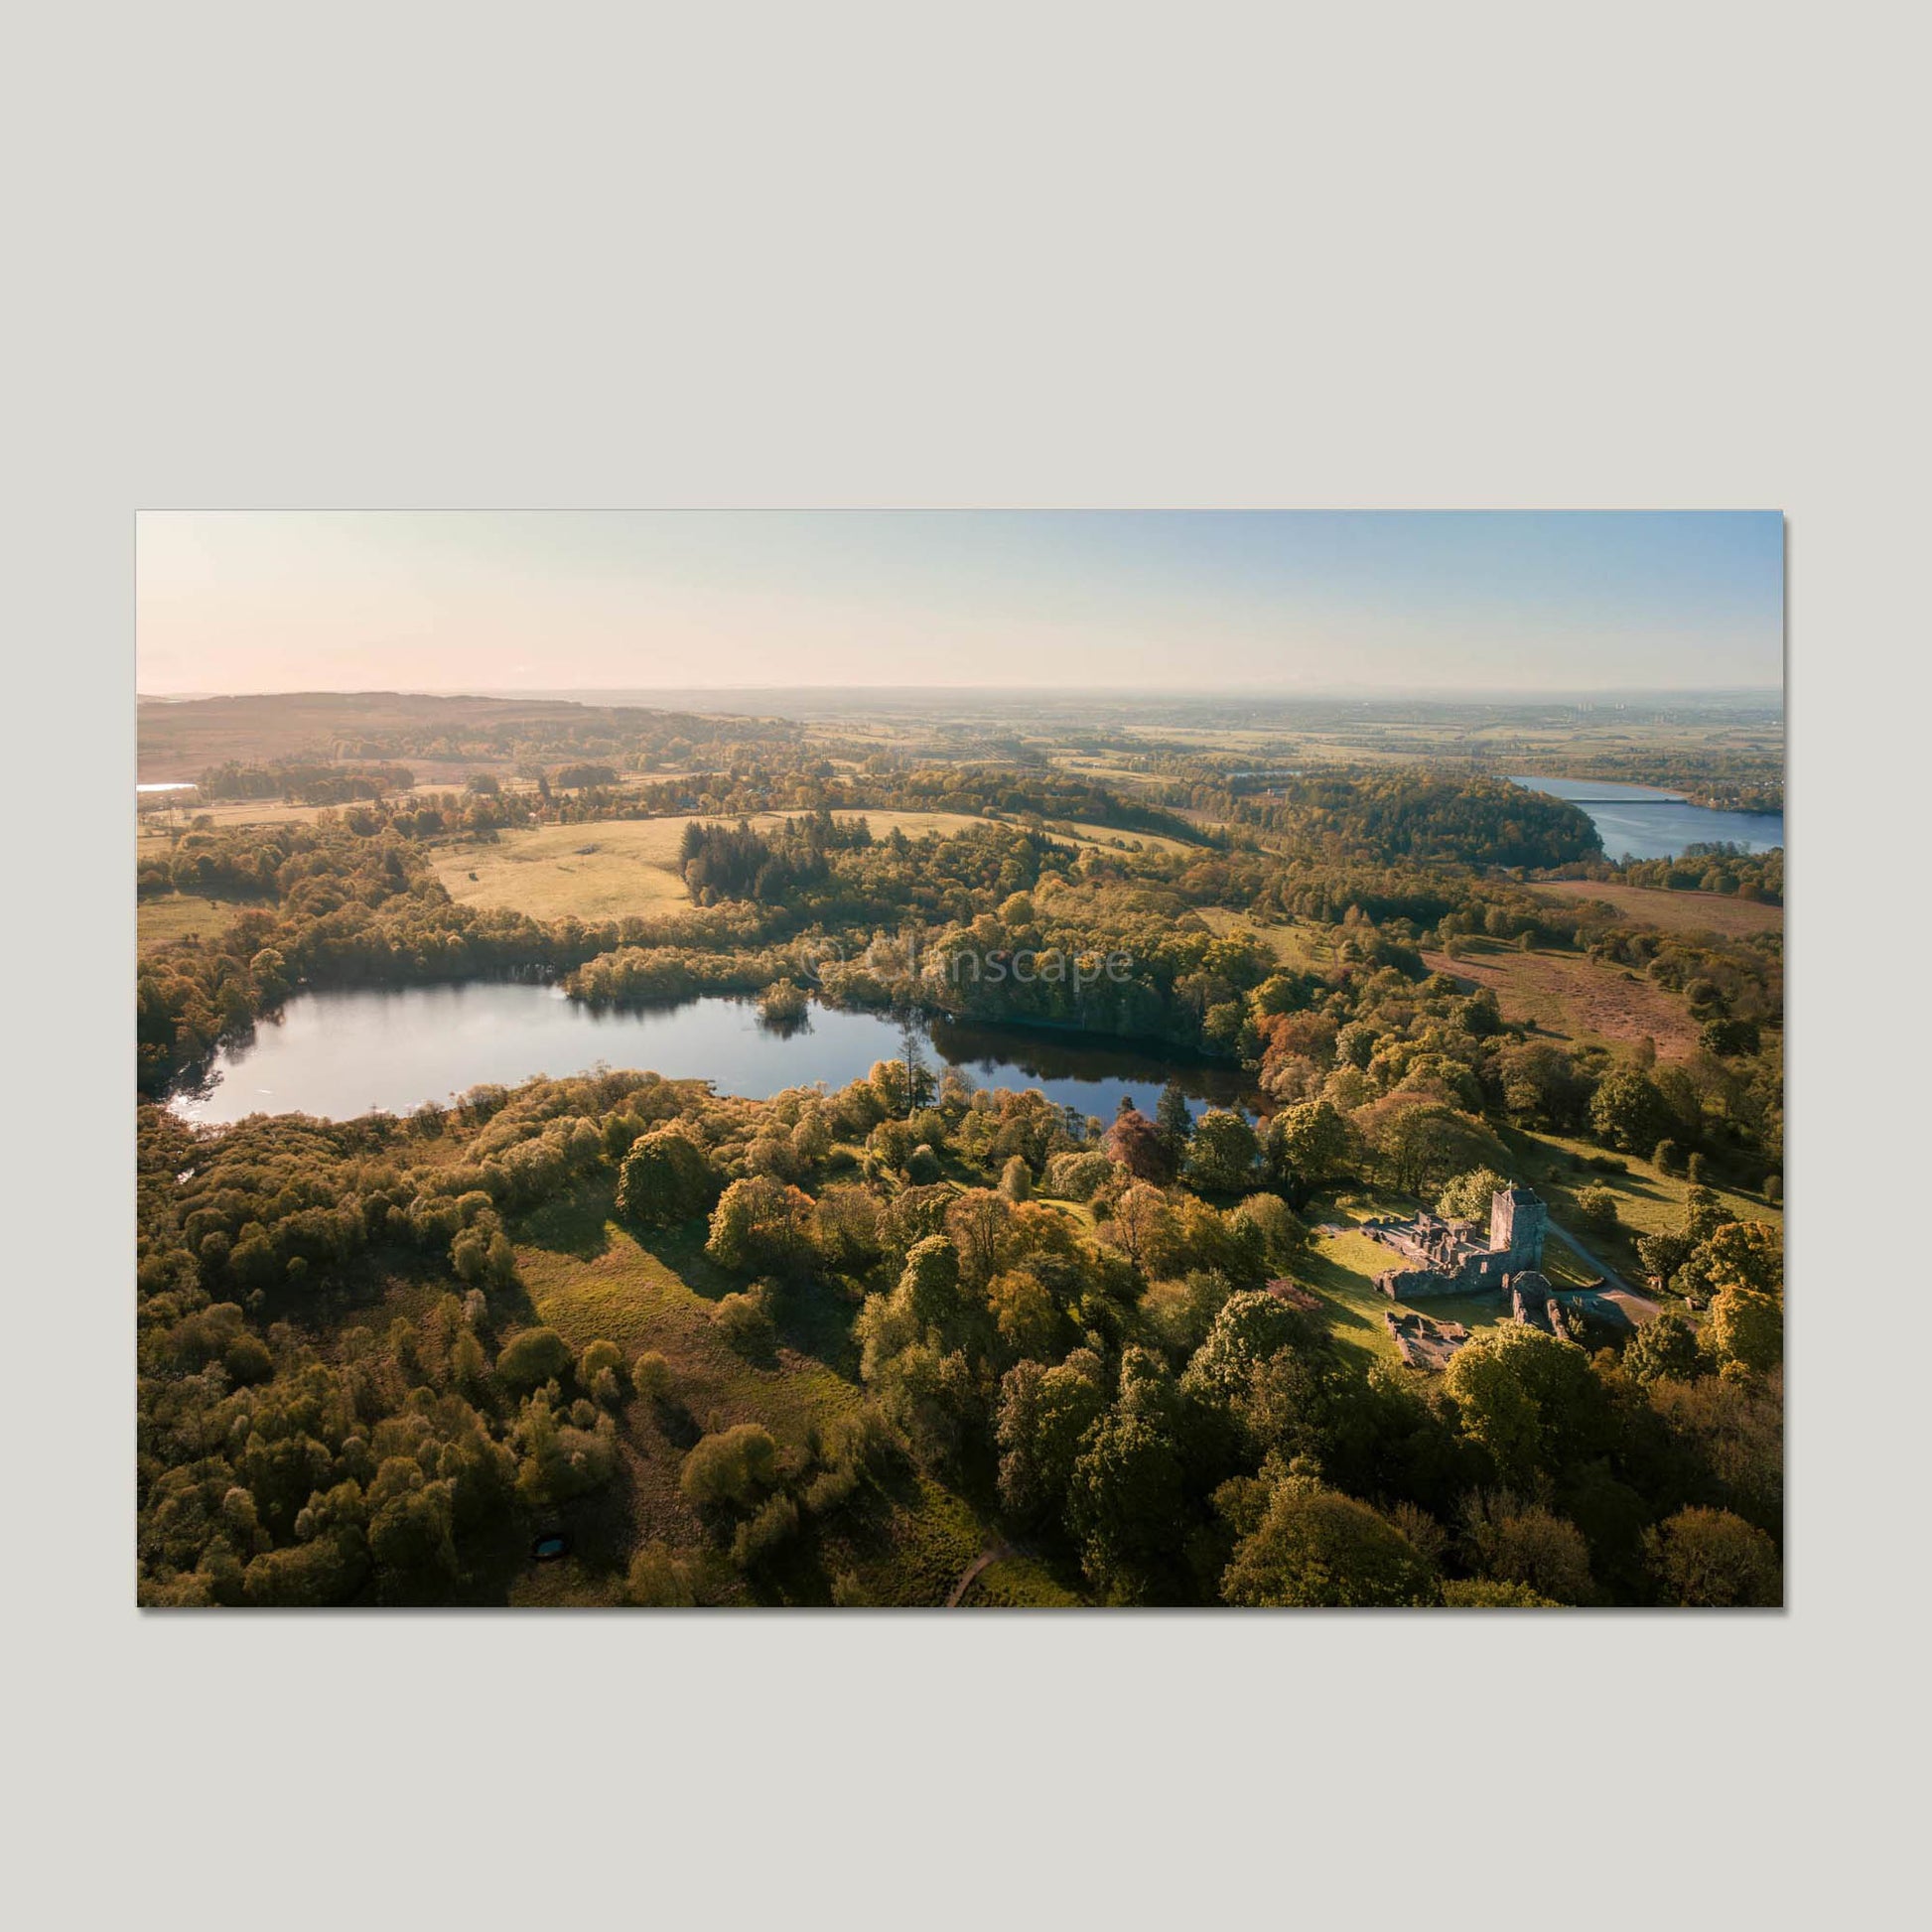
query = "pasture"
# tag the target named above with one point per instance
(161, 920)
(616, 868)
(1574, 997)
(1719, 912)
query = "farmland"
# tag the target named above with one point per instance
(1570, 996)
(181, 915)
(623, 867)
(1671, 912)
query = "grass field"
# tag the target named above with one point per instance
(1673, 912)
(1299, 948)
(236, 811)
(181, 915)
(620, 867)
(607, 870)
(1113, 838)
(1648, 1201)
(1574, 997)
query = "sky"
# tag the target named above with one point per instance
(1291, 600)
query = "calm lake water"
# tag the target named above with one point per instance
(1639, 822)
(340, 1055)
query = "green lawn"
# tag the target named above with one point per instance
(1342, 1269)
(1648, 1201)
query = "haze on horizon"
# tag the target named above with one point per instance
(1291, 601)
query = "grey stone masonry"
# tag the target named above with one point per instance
(1443, 1260)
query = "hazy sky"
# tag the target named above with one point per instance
(1302, 601)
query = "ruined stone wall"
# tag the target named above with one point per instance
(1518, 1222)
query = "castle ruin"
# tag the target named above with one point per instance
(1443, 1258)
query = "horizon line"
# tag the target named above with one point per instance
(569, 693)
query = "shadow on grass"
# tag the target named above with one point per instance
(1344, 1290)
(572, 1223)
(681, 1250)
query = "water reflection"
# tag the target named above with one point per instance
(363, 1049)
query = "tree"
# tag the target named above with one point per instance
(1314, 1141)
(1512, 1542)
(744, 1321)
(562, 1457)
(1480, 1593)
(1044, 1417)
(1124, 1498)
(1743, 1263)
(1175, 1120)
(1016, 1179)
(1421, 1141)
(1143, 1225)
(1709, 1557)
(1136, 1144)
(1735, 1254)
(660, 1579)
(761, 1226)
(930, 1395)
(1728, 1037)
(1029, 1320)
(1663, 1349)
(411, 1541)
(913, 1352)
(1468, 1197)
(1282, 1230)
(650, 1376)
(1530, 1400)
(597, 1371)
(916, 1075)
(1316, 1546)
(1627, 1111)
(1729, 1432)
(845, 1227)
(764, 1535)
(930, 1290)
(1221, 1156)
(1747, 1328)
(667, 1177)
(1542, 1086)
(977, 1223)
(533, 1358)
(1595, 1213)
(1250, 1329)
(734, 1466)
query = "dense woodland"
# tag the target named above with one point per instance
(348, 1396)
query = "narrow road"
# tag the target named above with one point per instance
(1641, 1307)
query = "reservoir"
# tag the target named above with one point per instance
(1642, 822)
(363, 1049)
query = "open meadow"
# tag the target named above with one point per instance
(1570, 996)
(1670, 912)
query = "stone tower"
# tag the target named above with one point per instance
(1518, 1221)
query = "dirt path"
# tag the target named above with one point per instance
(973, 1569)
